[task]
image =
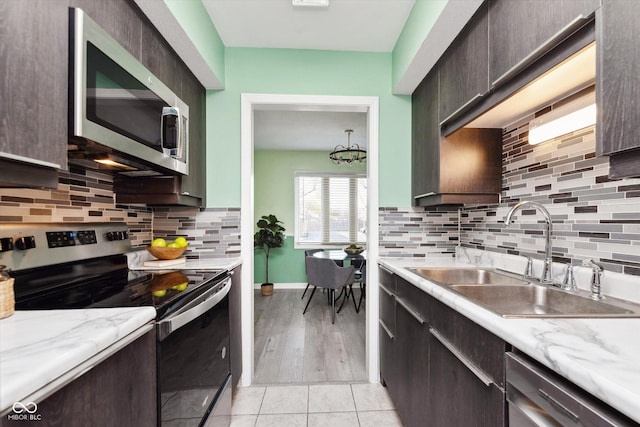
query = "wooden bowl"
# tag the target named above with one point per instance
(353, 251)
(165, 253)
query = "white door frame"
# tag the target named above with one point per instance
(248, 104)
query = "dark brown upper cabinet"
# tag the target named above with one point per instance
(425, 137)
(33, 117)
(464, 75)
(133, 30)
(617, 88)
(520, 32)
(463, 167)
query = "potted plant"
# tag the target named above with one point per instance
(270, 235)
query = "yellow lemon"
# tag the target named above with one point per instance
(159, 242)
(181, 241)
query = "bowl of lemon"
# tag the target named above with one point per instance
(162, 249)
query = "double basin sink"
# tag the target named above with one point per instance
(509, 295)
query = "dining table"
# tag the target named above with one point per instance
(340, 255)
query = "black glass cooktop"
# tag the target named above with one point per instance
(106, 282)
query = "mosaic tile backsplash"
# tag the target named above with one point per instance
(87, 196)
(81, 196)
(593, 216)
(417, 232)
(211, 233)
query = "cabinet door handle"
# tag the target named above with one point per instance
(486, 379)
(463, 108)
(28, 160)
(386, 329)
(387, 291)
(572, 26)
(419, 196)
(386, 269)
(559, 406)
(410, 310)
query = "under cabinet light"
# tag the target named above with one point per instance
(310, 3)
(113, 163)
(567, 118)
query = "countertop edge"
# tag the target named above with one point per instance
(30, 365)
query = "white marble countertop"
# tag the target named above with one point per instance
(600, 355)
(39, 348)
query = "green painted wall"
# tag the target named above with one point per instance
(290, 71)
(194, 19)
(274, 194)
(423, 15)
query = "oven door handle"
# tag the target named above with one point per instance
(198, 308)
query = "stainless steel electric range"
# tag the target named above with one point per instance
(83, 265)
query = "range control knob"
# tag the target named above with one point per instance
(6, 244)
(117, 235)
(25, 242)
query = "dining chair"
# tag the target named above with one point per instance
(324, 273)
(309, 252)
(360, 276)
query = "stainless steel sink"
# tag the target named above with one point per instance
(468, 276)
(543, 301)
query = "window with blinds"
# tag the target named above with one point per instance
(330, 209)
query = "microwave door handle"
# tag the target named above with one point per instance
(175, 322)
(167, 113)
(180, 135)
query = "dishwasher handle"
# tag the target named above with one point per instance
(542, 398)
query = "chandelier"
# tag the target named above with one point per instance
(350, 154)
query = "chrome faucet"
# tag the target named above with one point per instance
(546, 276)
(596, 278)
(528, 270)
(569, 281)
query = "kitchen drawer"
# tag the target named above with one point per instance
(413, 298)
(388, 308)
(485, 350)
(387, 279)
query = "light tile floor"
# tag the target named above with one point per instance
(330, 405)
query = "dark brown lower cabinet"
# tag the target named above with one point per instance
(388, 364)
(459, 395)
(440, 368)
(119, 391)
(412, 360)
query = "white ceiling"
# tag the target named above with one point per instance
(307, 130)
(348, 25)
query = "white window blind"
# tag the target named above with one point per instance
(330, 209)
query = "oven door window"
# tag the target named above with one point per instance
(193, 366)
(118, 101)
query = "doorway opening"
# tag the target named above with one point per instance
(252, 104)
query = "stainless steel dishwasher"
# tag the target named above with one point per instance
(537, 396)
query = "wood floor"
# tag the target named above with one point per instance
(292, 348)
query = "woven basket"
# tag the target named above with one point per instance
(7, 298)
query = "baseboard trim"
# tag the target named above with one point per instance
(283, 285)
(292, 285)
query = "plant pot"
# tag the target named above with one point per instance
(267, 289)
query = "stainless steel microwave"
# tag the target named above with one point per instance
(121, 115)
